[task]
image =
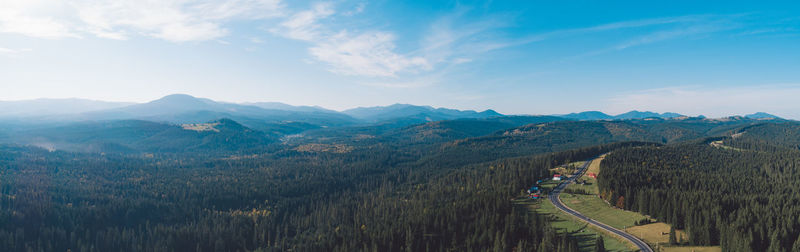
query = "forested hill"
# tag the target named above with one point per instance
(510, 135)
(734, 193)
(385, 200)
(137, 136)
(786, 134)
(564, 135)
(443, 186)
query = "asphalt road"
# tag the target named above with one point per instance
(557, 202)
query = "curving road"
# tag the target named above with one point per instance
(557, 202)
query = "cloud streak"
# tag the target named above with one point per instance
(11, 52)
(171, 20)
(369, 53)
(304, 25)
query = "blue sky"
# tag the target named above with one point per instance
(714, 58)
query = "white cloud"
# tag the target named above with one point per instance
(612, 27)
(172, 20)
(713, 101)
(6, 50)
(34, 18)
(303, 25)
(359, 8)
(450, 40)
(687, 30)
(461, 60)
(365, 53)
(9, 51)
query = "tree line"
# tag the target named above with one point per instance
(740, 195)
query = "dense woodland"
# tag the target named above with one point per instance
(374, 199)
(740, 194)
(441, 186)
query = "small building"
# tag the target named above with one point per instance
(534, 196)
(533, 189)
(592, 174)
(557, 177)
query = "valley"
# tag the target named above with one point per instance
(391, 183)
(399, 126)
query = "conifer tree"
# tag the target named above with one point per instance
(672, 239)
(599, 245)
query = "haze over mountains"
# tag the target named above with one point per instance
(597, 115)
(181, 108)
(180, 123)
(48, 107)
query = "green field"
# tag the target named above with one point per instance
(589, 187)
(691, 249)
(593, 207)
(598, 209)
(577, 229)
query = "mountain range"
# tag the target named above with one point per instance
(181, 108)
(183, 123)
(597, 115)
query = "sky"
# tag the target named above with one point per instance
(712, 58)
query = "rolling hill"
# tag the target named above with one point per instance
(762, 115)
(597, 115)
(180, 108)
(427, 113)
(132, 136)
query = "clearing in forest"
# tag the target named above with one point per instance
(656, 233)
(581, 231)
(591, 205)
(690, 249)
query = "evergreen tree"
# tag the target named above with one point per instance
(796, 246)
(599, 245)
(672, 239)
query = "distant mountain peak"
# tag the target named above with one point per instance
(181, 98)
(762, 115)
(587, 115)
(490, 113)
(287, 107)
(178, 96)
(633, 114)
(408, 113)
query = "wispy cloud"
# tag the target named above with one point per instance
(9, 51)
(359, 8)
(34, 18)
(657, 36)
(654, 29)
(780, 99)
(304, 25)
(369, 53)
(172, 20)
(450, 40)
(366, 54)
(630, 24)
